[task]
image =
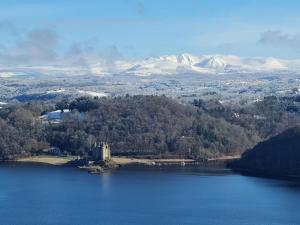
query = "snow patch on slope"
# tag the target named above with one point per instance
(93, 93)
(165, 65)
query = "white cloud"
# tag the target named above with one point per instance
(42, 47)
(38, 46)
(280, 39)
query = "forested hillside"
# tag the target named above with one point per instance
(21, 133)
(148, 125)
(277, 156)
(143, 125)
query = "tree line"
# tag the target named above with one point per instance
(153, 126)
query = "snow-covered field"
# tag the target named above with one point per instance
(164, 65)
(185, 77)
(93, 93)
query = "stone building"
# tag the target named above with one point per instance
(101, 151)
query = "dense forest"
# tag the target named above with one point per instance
(154, 126)
(278, 155)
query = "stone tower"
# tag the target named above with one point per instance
(102, 151)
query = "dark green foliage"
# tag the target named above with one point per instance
(280, 155)
(144, 125)
(20, 132)
(61, 105)
(265, 118)
(152, 125)
(84, 104)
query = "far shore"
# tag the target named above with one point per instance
(126, 161)
(61, 160)
(225, 158)
(122, 161)
(51, 160)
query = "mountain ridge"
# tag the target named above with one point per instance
(164, 65)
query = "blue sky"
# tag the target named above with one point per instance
(143, 28)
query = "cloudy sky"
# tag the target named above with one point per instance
(46, 31)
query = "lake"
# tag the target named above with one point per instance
(44, 195)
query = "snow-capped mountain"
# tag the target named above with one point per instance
(213, 62)
(187, 59)
(209, 64)
(165, 65)
(184, 63)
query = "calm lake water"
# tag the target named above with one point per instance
(44, 195)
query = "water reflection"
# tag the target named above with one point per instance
(105, 180)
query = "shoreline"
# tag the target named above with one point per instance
(119, 162)
(266, 174)
(48, 160)
(123, 161)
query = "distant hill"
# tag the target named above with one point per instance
(280, 155)
(149, 125)
(163, 65)
(144, 126)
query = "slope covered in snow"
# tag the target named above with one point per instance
(210, 64)
(164, 65)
